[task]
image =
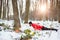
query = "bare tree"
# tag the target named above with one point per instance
(58, 9)
(4, 9)
(27, 11)
(16, 15)
(21, 7)
(0, 8)
(7, 9)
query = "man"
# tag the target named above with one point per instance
(39, 27)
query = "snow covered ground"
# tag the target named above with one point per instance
(45, 35)
(40, 35)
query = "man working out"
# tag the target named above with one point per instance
(39, 27)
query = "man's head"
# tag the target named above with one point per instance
(30, 23)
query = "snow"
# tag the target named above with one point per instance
(6, 22)
(51, 35)
(40, 35)
(9, 35)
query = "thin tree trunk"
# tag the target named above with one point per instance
(7, 9)
(58, 10)
(21, 7)
(27, 11)
(16, 15)
(0, 8)
(4, 9)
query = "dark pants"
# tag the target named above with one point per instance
(45, 28)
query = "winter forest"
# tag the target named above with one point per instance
(15, 16)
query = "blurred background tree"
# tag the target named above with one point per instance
(16, 15)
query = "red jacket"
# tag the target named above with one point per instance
(37, 26)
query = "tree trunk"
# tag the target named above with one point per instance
(21, 7)
(58, 10)
(4, 9)
(16, 15)
(27, 11)
(7, 9)
(0, 8)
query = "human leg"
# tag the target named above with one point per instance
(45, 28)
